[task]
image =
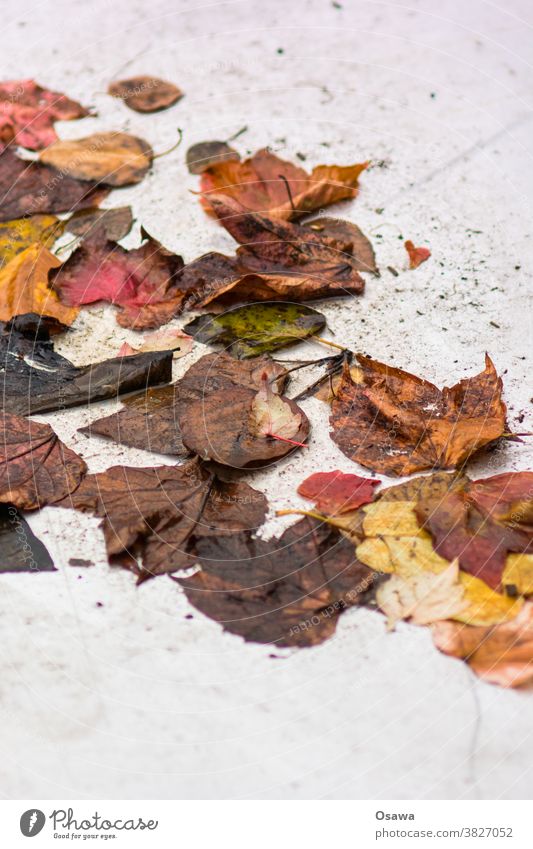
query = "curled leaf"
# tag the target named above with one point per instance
(416, 255)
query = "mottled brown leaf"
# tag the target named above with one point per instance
(145, 93)
(112, 159)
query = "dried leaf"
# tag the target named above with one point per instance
(17, 235)
(35, 467)
(24, 287)
(258, 328)
(21, 550)
(28, 113)
(349, 238)
(145, 93)
(152, 513)
(425, 598)
(278, 188)
(168, 339)
(143, 282)
(203, 155)
(416, 255)
(518, 573)
(500, 654)
(289, 591)
(29, 188)
(397, 424)
(273, 416)
(335, 492)
(116, 223)
(35, 379)
(114, 159)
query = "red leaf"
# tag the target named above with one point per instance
(335, 492)
(28, 112)
(416, 255)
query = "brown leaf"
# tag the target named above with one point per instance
(500, 654)
(289, 591)
(24, 287)
(480, 523)
(28, 188)
(145, 93)
(36, 468)
(349, 238)
(278, 188)
(28, 112)
(218, 372)
(144, 282)
(204, 155)
(397, 424)
(151, 513)
(116, 222)
(114, 159)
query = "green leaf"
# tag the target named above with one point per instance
(258, 328)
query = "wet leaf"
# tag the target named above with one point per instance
(500, 654)
(114, 159)
(24, 287)
(258, 328)
(288, 591)
(35, 379)
(145, 93)
(203, 155)
(21, 550)
(336, 492)
(22, 233)
(478, 527)
(29, 188)
(168, 339)
(425, 598)
(35, 467)
(278, 188)
(144, 282)
(416, 255)
(396, 424)
(152, 513)
(28, 112)
(116, 223)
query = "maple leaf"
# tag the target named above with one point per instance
(28, 112)
(145, 93)
(500, 654)
(288, 591)
(36, 468)
(416, 255)
(151, 513)
(397, 424)
(29, 188)
(143, 282)
(112, 159)
(24, 286)
(336, 492)
(278, 188)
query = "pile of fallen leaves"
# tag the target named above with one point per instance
(439, 550)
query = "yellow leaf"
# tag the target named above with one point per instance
(424, 598)
(390, 518)
(20, 233)
(116, 159)
(518, 572)
(24, 287)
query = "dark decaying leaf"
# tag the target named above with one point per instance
(152, 513)
(144, 282)
(349, 238)
(28, 112)
(203, 155)
(150, 420)
(35, 379)
(276, 260)
(28, 188)
(145, 93)
(229, 426)
(265, 183)
(35, 467)
(257, 328)
(481, 522)
(116, 223)
(336, 492)
(397, 424)
(21, 550)
(288, 591)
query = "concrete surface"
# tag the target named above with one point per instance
(132, 699)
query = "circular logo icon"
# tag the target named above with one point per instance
(32, 822)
